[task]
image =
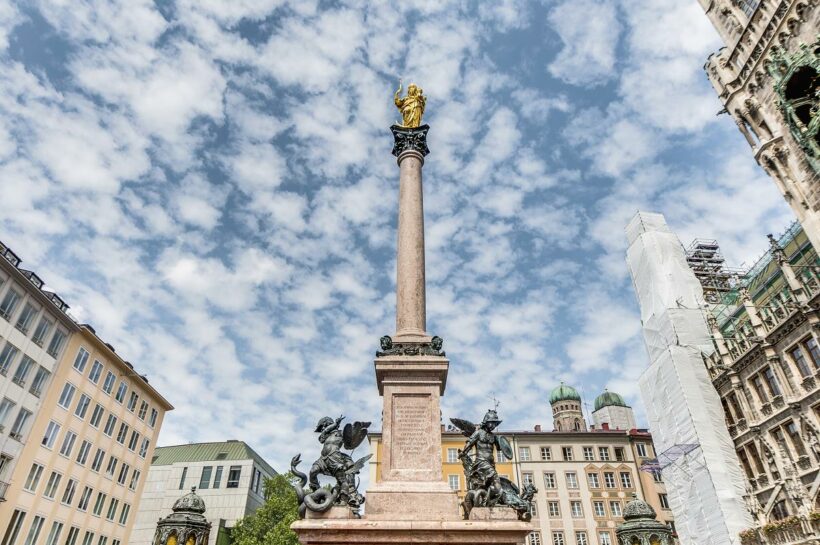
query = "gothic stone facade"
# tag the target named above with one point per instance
(767, 79)
(766, 368)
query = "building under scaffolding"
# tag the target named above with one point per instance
(705, 484)
(763, 361)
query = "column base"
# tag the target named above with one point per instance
(411, 530)
(396, 500)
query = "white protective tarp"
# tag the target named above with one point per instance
(705, 486)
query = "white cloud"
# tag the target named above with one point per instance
(589, 32)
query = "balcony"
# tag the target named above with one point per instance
(789, 531)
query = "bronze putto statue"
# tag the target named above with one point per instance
(485, 487)
(332, 463)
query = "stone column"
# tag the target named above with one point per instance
(411, 319)
(411, 376)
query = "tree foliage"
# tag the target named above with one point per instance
(270, 524)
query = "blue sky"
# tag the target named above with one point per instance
(210, 185)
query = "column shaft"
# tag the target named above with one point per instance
(410, 281)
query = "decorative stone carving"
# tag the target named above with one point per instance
(389, 348)
(410, 139)
(187, 524)
(796, 85)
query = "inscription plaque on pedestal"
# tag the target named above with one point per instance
(411, 432)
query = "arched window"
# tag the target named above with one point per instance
(780, 510)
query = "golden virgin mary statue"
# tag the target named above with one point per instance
(411, 106)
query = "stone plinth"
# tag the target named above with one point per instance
(493, 513)
(408, 530)
(336, 512)
(410, 479)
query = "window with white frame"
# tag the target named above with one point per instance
(54, 535)
(57, 342)
(112, 509)
(122, 389)
(73, 534)
(546, 454)
(51, 485)
(593, 480)
(527, 478)
(96, 371)
(144, 447)
(452, 455)
(132, 401)
(123, 476)
(558, 538)
(33, 478)
(7, 356)
(82, 454)
(619, 454)
(153, 420)
(581, 538)
(549, 480)
(96, 416)
(589, 454)
(567, 453)
(50, 436)
(603, 453)
(534, 538)
(143, 410)
(96, 464)
(599, 509)
(453, 480)
(82, 406)
(524, 454)
(554, 509)
(576, 509)
(81, 360)
(110, 424)
(39, 382)
(626, 479)
(99, 503)
(640, 448)
(604, 538)
(615, 508)
(572, 479)
(85, 498)
(124, 513)
(68, 493)
(34, 531)
(609, 480)
(111, 468)
(108, 383)
(664, 501)
(68, 443)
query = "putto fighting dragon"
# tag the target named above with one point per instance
(333, 463)
(485, 487)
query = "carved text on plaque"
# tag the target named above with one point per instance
(411, 432)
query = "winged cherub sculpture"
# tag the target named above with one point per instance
(332, 463)
(485, 487)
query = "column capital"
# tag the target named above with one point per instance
(410, 139)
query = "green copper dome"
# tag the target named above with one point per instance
(609, 399)
(564, 393)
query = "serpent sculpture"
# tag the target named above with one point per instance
(332, 463)
(320, 501)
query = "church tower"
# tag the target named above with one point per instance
(566, 409)
(612, 411)
(768, 78)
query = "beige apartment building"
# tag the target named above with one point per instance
(34, 329)
(585, 475)
(73, 468)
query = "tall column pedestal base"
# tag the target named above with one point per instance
(384, 532)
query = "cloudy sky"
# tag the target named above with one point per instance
(210, 185)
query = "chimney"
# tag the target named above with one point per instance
(442, 428)
(538, 427)
(605, 425)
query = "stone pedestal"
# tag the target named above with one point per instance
(411, 480)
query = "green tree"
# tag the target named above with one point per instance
(270, 524)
